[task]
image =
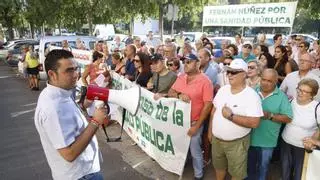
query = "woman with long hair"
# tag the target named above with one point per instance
(143, 70)
(254, 73)
(120, 67)
(282, 66)
(93, 70)
(266, 60)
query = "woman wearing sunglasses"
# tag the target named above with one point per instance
(304, 124)
(143, 70)
(254, 73)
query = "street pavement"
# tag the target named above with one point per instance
(22, 156)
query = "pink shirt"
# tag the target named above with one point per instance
(200, 90)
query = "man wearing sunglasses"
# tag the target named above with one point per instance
(245, 53)
(162, 78)
(237, 109)
(195, 87)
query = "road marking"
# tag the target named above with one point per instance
(3, 77)
(138, 164)
(31, 104)
(16, 114)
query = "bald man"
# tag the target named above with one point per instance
(277, 110)
(290, 83)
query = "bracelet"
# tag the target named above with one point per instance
(95, 122)
(231, 117)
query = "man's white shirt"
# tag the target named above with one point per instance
(245, 103)
(290, 83)
(59, 122)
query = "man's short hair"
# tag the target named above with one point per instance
(238, 34)
(52, 60)
(276, 36)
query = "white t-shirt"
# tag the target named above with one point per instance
(302, 125)
(245, 103)
(59, 121)
(290, 83)
(316, 72)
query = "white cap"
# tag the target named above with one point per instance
(237, 65)
(247, 42)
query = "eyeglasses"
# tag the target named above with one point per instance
(187, 62)
(234, 72)
(247, 46)
(304, 60)
(226, 64)
(252, 67)
(302, 91)
(170, 64)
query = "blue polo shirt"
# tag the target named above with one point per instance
(266, 134)
(212, 72)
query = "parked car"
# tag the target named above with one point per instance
(9, 44)
(45, 42)
(15, 51)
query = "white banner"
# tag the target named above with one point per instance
(82, 57)
(313, 166)
(251, 15)
(159, 128)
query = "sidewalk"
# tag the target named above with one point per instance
(141, 162)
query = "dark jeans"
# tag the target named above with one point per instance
(92, 176)
(258, 162)
(292, 158)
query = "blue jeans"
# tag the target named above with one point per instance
(196, 153)
(292, 158)
(258, 162)
(92, 176)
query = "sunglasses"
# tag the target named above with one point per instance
(252, 67)
(136, 60)
(170, 64)
(234, 72)
(226, 64)
(247, 46)
(187, 62)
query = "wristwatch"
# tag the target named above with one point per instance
(271, 116)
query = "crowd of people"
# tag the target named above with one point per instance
(251, 102)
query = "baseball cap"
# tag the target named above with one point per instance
(192, 57)
(247, 43)
(237, 65)
(156, 57)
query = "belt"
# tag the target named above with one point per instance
(222, 140)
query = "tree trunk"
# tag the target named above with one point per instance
(131, 26)
(31, 26)
(161, 8)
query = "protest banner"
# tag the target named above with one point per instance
(159, 128)
(251, 15)
(82, 57)
(311, 165)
